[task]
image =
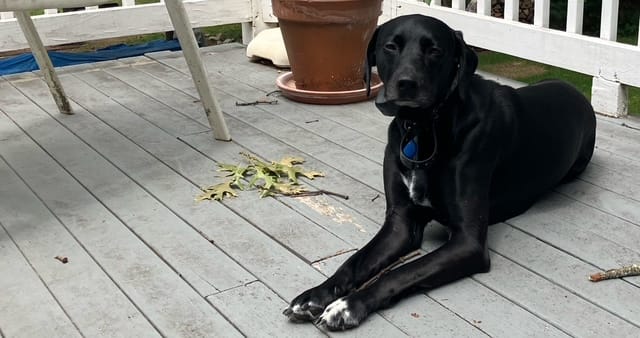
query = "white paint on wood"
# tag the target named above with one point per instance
(609, 97)
(128, 3)
(541, 13)
(198, 72)
(458, 4)
(117, 21)
(26, 5)
(512, 10)
(44, 62)
(582, 54)
(483, 7)
(609, 20)
(6, 15)
(436, 3)
(575, 15)
(50, 11)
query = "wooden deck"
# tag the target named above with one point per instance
(112, 188)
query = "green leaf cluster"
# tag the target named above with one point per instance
(270, 178)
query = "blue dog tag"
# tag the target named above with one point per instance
(410, 150)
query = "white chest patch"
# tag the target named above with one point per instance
(416, 197)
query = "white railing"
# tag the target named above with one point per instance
(613, 65)
(129, 19)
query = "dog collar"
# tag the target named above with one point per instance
(415, 141)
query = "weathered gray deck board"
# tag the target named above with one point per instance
(171, 305)
(139, 148)
(27, 307)
(94, 303)
(182, 247)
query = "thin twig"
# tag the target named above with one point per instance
(627, 271)
(319, 192)
(400, 260)
(375, 198)
(256, 102)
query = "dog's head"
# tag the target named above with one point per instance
(421, 61)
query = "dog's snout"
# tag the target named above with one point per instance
(407, 88)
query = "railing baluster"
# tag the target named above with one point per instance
(436, 2)
(50, 11)
(512, 10)
(458, 4)
(609, 20)
(484, 7)
(541, 13)
(575, 13)
(6, 15)
(128, 3)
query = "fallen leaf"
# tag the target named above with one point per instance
(415, 315)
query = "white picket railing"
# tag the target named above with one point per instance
(613, 65)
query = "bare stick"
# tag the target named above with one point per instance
(400, 260)
(318, 192)
(627, 271)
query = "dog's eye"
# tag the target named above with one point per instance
(391, 46)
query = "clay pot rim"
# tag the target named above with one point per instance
(286, 84)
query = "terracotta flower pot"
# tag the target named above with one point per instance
(326, 40)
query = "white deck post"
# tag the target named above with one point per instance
(609, 97)
(483, 7)
(541, 12)
(458, 4)
(43, 60)
(263, 18)
(609, 20)
(575, 14)
(512, 10)
(189, 45)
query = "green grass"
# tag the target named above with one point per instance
(531, 72)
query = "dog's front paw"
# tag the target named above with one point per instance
(344, 313)
(309, 305)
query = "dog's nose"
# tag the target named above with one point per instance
(407, 88)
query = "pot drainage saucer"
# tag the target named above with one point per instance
(286, 83)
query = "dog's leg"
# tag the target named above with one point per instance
(401, 233)
(461, 256)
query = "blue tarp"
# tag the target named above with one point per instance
(26, 62)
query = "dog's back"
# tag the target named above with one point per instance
(555, 128)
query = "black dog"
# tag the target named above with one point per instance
(461, 150)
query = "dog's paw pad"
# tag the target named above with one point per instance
(339, 316)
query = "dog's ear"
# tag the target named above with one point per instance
(370, 60)
(467, 63)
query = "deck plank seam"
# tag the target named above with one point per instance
(596, 266)
(26, 259)
(146, 244)
(553, 282)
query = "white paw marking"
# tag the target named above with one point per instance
(335, 309)
(297, 309)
